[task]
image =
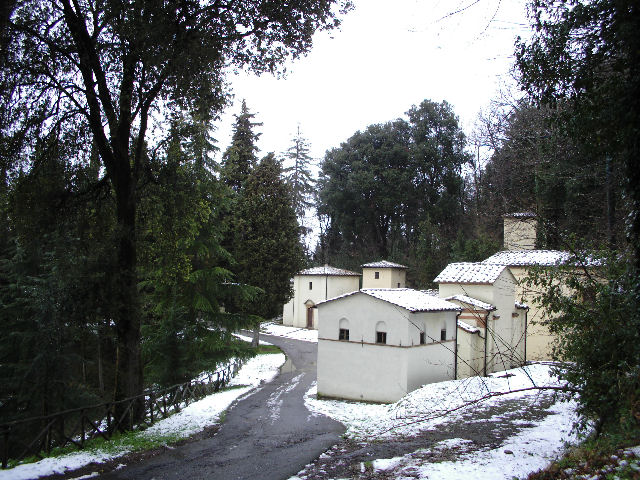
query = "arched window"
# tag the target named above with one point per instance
(381, 332)
(343, 333)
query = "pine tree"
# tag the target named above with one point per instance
(240, 157)
(299, 177)
(267, 246)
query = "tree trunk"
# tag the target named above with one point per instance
(256, 336)
(128, 337)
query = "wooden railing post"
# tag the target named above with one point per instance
(173, 398)
(5, 447)
(82, 433)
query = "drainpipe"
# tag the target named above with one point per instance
(455, 350)
(326, 287)
(526, 320)
(486, 334)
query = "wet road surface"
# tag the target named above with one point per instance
(268, 435)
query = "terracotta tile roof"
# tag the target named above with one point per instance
(514, 258)
(327, 270)
(407, 298)
(468, 272)
(474, 302)
(467, 328)
(431, 291)
(520, 215)
(382, 264)
(412, 300)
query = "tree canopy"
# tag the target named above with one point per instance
(384, 186)
(92, 75)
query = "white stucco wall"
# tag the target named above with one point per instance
(506, 338)
(470, 354)
(539, 338)
(360, 369)
(388, 278)
(323, 287)
(355, 371)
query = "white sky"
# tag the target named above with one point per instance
(386, 57)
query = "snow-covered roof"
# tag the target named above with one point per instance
(467, 328)
(515, 258)
(468, 272)
(431, 291)
(407, 298)
(522, 306)
(520, 215)
(383, 264)
(327, 270)
(474, 302)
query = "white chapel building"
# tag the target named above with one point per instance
(315, 285)
(378, 344)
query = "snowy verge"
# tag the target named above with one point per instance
(192, 419)
(433, 404)
(294, 333)
(436, 405)
(527, 451)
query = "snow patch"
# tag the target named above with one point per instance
(294, 333)
(436, 405)
(192, 419)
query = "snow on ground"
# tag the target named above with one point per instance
(530, 450)
(245, 338)
(444, 402)
(438, 404)
(295, 333)
(192, 419)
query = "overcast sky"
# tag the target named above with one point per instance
(386, 57)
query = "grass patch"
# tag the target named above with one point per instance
(264, 349)
(120, 443)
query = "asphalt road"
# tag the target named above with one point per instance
(269, 435)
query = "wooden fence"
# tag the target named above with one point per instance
(79, 425)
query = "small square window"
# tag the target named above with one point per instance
(443, 334)
(423, 339)
(310, 285)
(344, 334)
(381, 337)
(376, 275)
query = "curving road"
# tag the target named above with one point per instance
(269, 435)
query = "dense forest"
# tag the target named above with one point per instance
(128, 256)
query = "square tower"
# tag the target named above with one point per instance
(383, 274)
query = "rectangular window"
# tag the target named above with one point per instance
(310, 285)
(443, 334)
(381, 337)
(344, 334)
(398, 284)
(422, 338)
(377, 275)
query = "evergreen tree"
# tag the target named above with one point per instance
(395, 191)
(103, 67)
(266, 242)
(182, 263)
(240, 157)
(585, 58)
(299, 177)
